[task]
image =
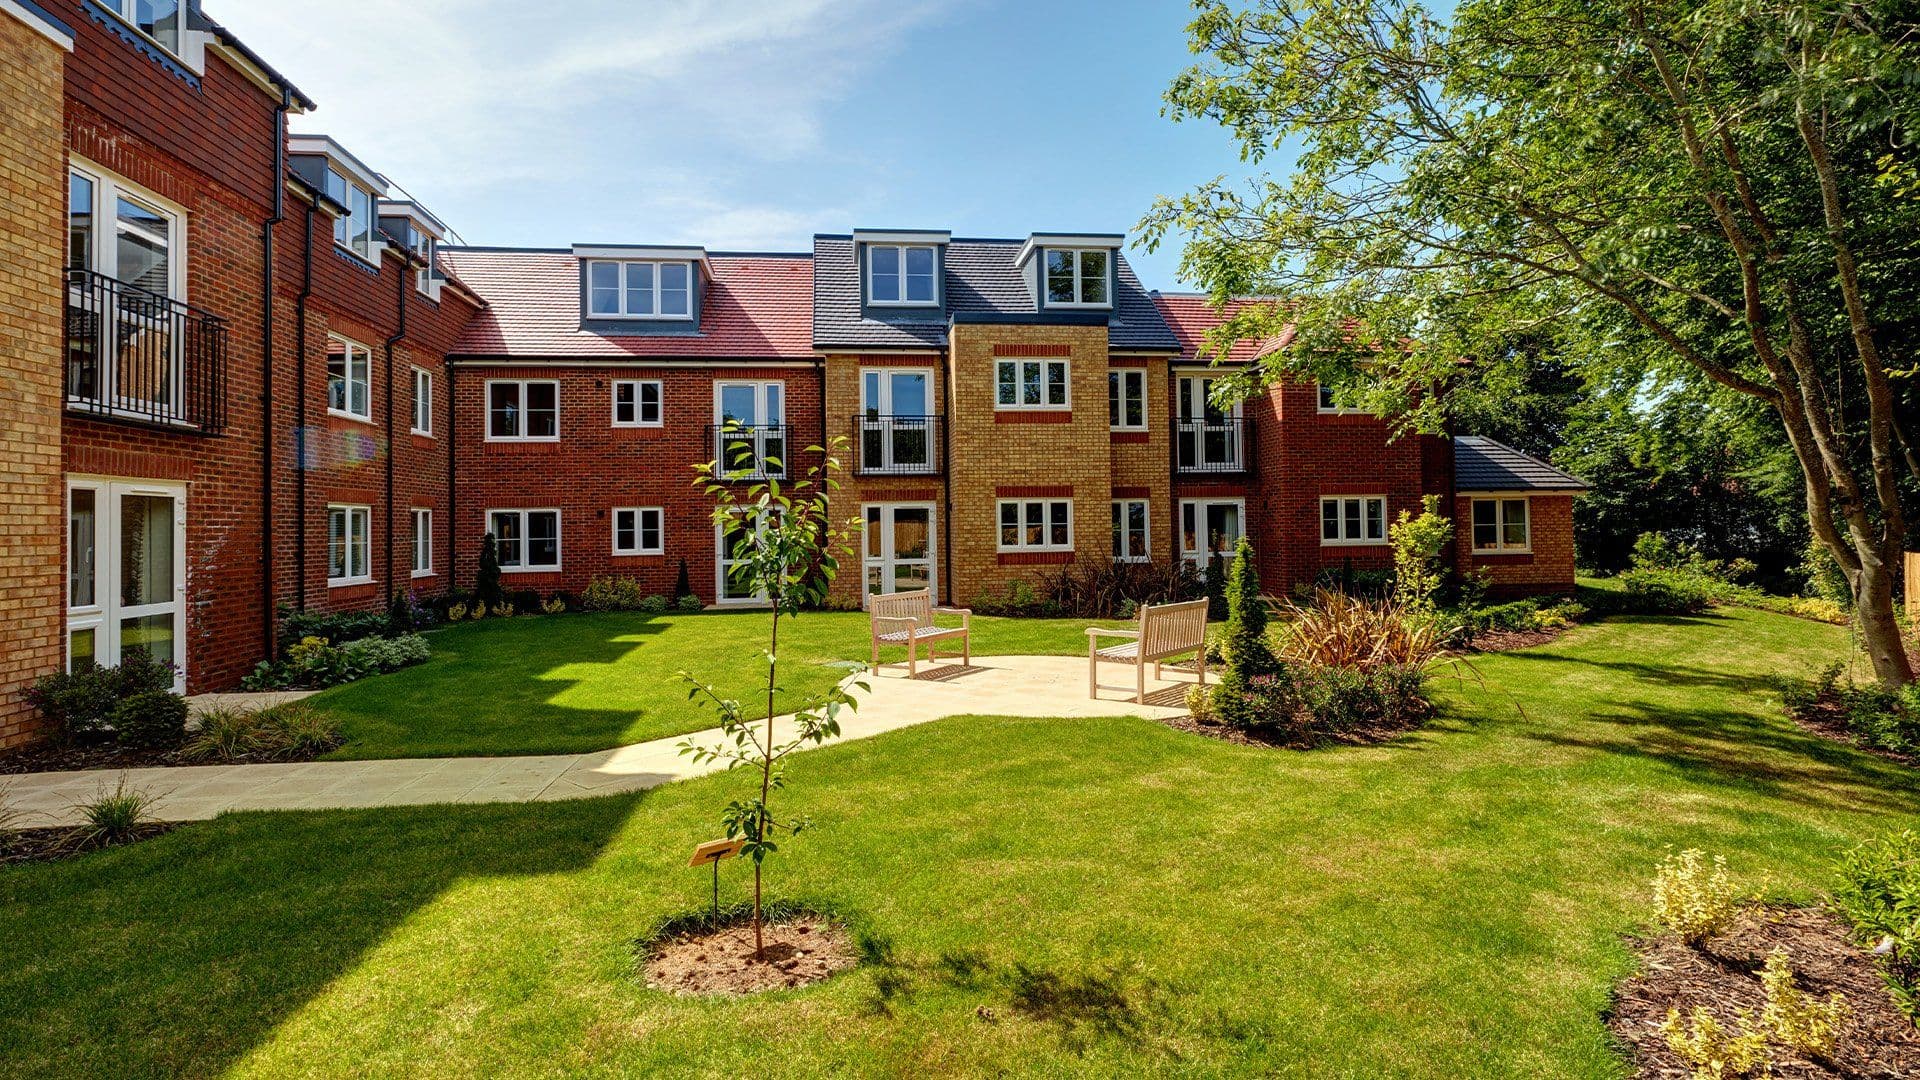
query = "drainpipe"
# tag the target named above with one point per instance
(946, 485)
(303, 437)
(267, 372)
(399, 334)
(453, 507)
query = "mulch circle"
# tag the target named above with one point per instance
(801, 950)
(1879, 1040)
(53, 844)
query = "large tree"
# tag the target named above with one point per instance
(1728, 180)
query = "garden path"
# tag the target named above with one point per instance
(1030, 686)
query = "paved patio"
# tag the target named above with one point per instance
(1038, 686)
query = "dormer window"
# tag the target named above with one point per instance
(901, 274)
(1077, 278)
(639, 290)
(160, 20)
(355, 231)
(422, 246)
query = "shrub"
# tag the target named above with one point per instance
(502, 610)
(682, 587)
(225, 734)
(1649, 591)
(407, 613)
(1712, 1050)
(153, 719)
(1693, 899)
(486, 582)
(1792, 1017)
(1216, 586)
(1418, 543)
(1103, 589)
(456, 611)
(1371, 584)
(689, 603)
(606, 593)
(112, 817)
(1338, 630)
(76, 703)
(1245, 642)
(653, 605)
(555, 605)
(1200, 704)
(1879, 894)
(1881, 718)
(372, 656)
(1019, 598)
(291, 730)
(337, 628)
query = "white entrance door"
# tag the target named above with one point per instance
(733, 585)
(899, 547)
(126, 572)
(1209, 436)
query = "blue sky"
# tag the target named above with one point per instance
(752, 126)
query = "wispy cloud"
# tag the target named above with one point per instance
(646, 116)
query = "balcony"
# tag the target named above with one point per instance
(749, 451)
(143, 358)
(1211, 447)
(896, 445)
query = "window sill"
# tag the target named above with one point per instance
(529, 439)
(365, 262)
(344, 415)
(1130, 435)
(638, 426)
(903, 303)
(594, 315)
(1485, 553)
(420, 434)
(348, 583)
(1354, 543)
(639, 554)
(554, 569)
(418, 574)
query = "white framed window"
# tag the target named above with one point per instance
(422, 401)
(357, 230)
(422, 543)
(636, 530)
(161, 21)
(126, 572)
(1502, 525)
(349, 379)
(1036, 524)
(125, 232)
(523, 410)
(1329, 406)
(639, 290)
(1127, 399)
(526, 540)
(1077, 277)
(349, 545)
(636, 403)
(1032, 384)
(1132, 538)
(1208, 526)
(422, 246)
(1353, 519)
(901, 275)
(750, 429)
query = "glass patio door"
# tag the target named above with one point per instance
(896, 409)
(898, 548)
(1209, 527)
(1209, 436)
(750, 420)
(126, 573)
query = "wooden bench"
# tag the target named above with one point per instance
(906, 618)
(1165, 631)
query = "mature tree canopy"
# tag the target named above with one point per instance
(1721, 190)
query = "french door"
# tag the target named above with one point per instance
(750, 425)
(898, 547)
(126, 573)
(1208, 526)
(733, 579)
(1209, 436)
(896, 420)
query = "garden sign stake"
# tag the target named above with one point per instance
(710, 854)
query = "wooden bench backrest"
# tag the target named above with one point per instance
(916, 605)
(1169, 629)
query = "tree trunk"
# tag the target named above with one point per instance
(1879, 628)
(766, 782)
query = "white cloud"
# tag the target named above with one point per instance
(651, 112)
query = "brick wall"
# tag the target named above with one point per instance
(32, 250)
(595, 467)
(1548, 568)
(1021, 454)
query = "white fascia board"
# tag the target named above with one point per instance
(415, 213)
(52, 32)
(902, 236)
(325, 146)
(640, 251)
(1109, 241)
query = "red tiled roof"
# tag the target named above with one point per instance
(758, 306)
(1190, 316)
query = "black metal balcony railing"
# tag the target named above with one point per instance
(138, 356)
(750, 451)
(896, 445)
(1212, 446)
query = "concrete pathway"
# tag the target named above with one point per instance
(1040, 686)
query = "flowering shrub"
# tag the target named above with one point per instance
(1693, 899)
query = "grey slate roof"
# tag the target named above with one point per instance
(1483, 464)
(981, 279)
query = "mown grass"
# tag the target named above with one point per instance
(1042, 897)
(574, 683)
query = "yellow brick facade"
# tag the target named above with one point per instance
(32, 243)
(842, 378)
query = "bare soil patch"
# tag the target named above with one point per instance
(53, 844)
(800, 950)
(1879, 1040)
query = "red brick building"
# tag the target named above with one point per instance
(248, 379)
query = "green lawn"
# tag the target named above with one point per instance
(1123, 898)
(574, 683)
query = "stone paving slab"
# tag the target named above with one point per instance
(1037, 686)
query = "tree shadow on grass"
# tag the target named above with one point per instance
(1082, 1007)
(178, 956)
(1737, 751)
(1682, 676)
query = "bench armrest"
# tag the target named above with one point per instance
(966, 614)
(1095, 631)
